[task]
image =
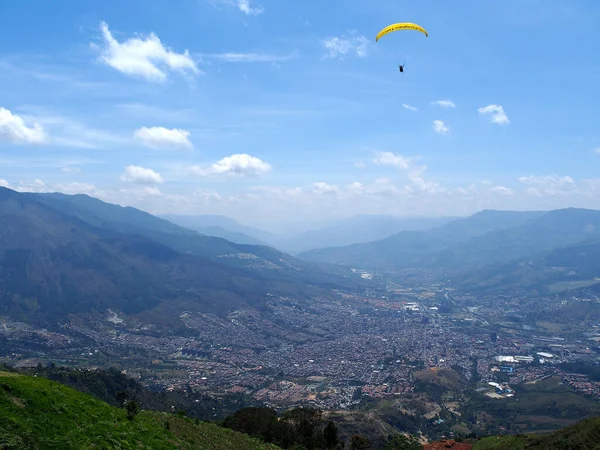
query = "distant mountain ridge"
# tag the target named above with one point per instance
(223, 227)
(576, 266)
(491, 250)
(421, 248)
(357, 229)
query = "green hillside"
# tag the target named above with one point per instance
(36, 413)
(585, 435)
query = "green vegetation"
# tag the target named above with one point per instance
(546, 405)
(114, 388)
(402, 442)
(583, 436)
(300, 427)
(561, 286)
(36, 413)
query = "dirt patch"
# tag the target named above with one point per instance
(9, 374)
(17, 401)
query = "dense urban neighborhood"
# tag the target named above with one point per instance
(333, 351)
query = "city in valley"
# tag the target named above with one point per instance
(333, 352)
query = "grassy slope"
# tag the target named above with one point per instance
(547, 405)
(36, 413)
(583, 436)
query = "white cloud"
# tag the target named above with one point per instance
(141, 175)
(597, 150)
(440, 127)
(156, 137)
(14, 129)
(547, 180)
(420, 184)
(495, 114)
(250, 57)
(77, 188)
(379, 187)
(71, 169)
(549, 185)
(39, 186)
(412, 108)
(406, 193)
(206, 195)
(338, 47)
(141, 192)
(502, 190)
(4, 183)
(67, 132)
(322, 188)
(143, 57)
(359, 165)
(391, 159)
(238, 164)
(445, 103)
(246, 6)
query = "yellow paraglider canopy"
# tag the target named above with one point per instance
(401, 26)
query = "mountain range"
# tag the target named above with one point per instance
(489, 248)
(74, 254)
(223, 227)
(357, 229)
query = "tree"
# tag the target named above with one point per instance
(402, 442)
(330, 433)
(132, 409)
(358, 442)
(121, 397)
(257, 421)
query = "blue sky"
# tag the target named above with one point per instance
(266, 110)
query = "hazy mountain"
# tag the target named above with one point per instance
(357, 229)
(238, 238)
(223, 227)
(62, 255)
(549, 231)
(428, 247)
(569, 267)
(340, 232)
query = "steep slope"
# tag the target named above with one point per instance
(36, 413)
(584, 435)
(261, 260)
(576, 265)
(542, 234)
(410, 248)
(52, 265)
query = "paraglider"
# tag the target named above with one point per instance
(401, 26)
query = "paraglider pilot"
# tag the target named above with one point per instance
(401, 68)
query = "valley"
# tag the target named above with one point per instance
(431, 350)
